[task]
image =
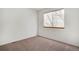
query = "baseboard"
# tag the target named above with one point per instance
(39, 36)
(30, 36)
(59, 41)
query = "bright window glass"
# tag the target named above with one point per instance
(54, 19)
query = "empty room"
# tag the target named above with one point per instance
(39, 29)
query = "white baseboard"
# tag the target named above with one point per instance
(29, 36)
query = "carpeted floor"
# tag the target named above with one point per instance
(38, 43)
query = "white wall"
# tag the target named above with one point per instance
(70, 34)
(17, 24)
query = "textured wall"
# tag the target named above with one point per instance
(17, 24)
(70, 34)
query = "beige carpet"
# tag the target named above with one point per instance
(38, 43)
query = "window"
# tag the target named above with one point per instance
(54, 19)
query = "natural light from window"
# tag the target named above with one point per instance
(54, 19)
